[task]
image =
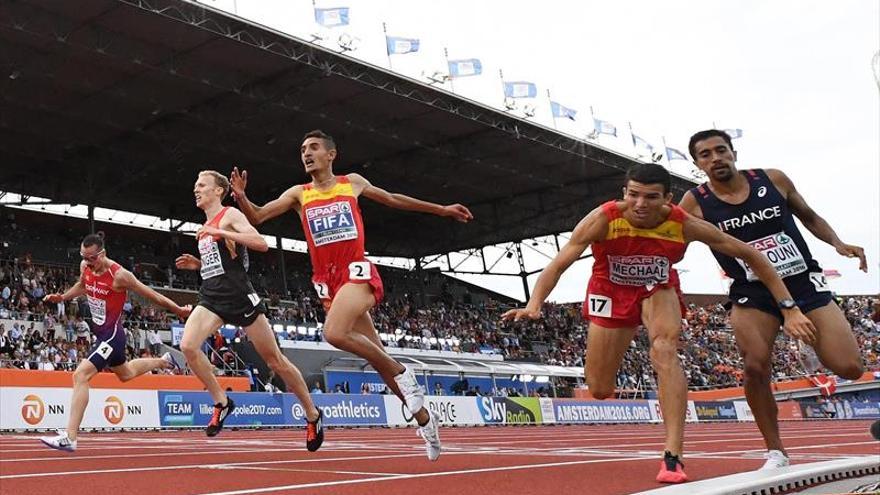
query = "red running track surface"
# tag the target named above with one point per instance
(594, 459)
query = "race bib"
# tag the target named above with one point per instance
(322, 290)
(639, 270)
(331, 223)
(599, 305)
(359, 270)
(98, 308)
(820, 282)
(781, 251)
(104, 350)
(212, 264)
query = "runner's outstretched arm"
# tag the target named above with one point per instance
(403, 202)
(591, 228)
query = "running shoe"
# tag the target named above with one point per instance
(169, 358)
(775, 460)
(413, 393)
(431, 434)
(671, 469)
(221, 412)
(315, 433)
(60, 442)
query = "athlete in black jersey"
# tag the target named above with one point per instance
(757, 207)
(227, 296)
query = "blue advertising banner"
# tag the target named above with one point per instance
(576, 411)
(865, 410)
(715, 411)
(195, 409)
(340, 409)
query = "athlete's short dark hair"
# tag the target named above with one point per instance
(329, 143)
(649, 173)
(93, 240)
(703, 135)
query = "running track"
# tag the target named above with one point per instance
(607, 459)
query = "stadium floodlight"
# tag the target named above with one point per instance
(529, 111)
(509, 104)
(348, 43)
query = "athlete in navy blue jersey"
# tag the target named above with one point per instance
(758, 207)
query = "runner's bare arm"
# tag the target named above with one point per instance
(235, 227)
(796, 324)
(78, 289)
(403, 202)
(689, 204)
(812, 220)
(124, 279)
(258, 214)
(591, 228)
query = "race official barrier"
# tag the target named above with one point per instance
(44, 408)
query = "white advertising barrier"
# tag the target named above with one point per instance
(743, 411)
(548, 413)
(48, 408)
(657, 414)
(452, 410)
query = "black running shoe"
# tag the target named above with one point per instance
(315, 433)
(221, 412)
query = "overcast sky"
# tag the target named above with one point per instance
(794, 75)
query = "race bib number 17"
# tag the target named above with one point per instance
(599, 305)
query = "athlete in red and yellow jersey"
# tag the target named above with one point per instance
(634, 243)
(345, 280)
(334, 231)
(632, 263)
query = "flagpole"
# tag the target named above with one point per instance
(387, 52)
(666, 153)
(501, 77)
(593, 120)
(551, 108)
(451, 79)
(632, 138)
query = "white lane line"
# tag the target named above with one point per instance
(361, 473)
(194, 466)
(68, 458)
(419, 475)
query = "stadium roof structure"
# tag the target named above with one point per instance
(118, 104)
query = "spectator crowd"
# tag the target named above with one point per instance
(444, 323)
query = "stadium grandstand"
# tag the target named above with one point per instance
(116, 105)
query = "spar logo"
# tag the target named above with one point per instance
(114, 410)
(33, 410)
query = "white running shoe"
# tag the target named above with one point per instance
(413, 393)
(431, 434)
(169, 358)
(60, 442)
(775, 460)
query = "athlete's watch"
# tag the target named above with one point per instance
(787, 304)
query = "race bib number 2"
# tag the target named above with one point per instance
(322, 290)
(359, 270)
(599, 305)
